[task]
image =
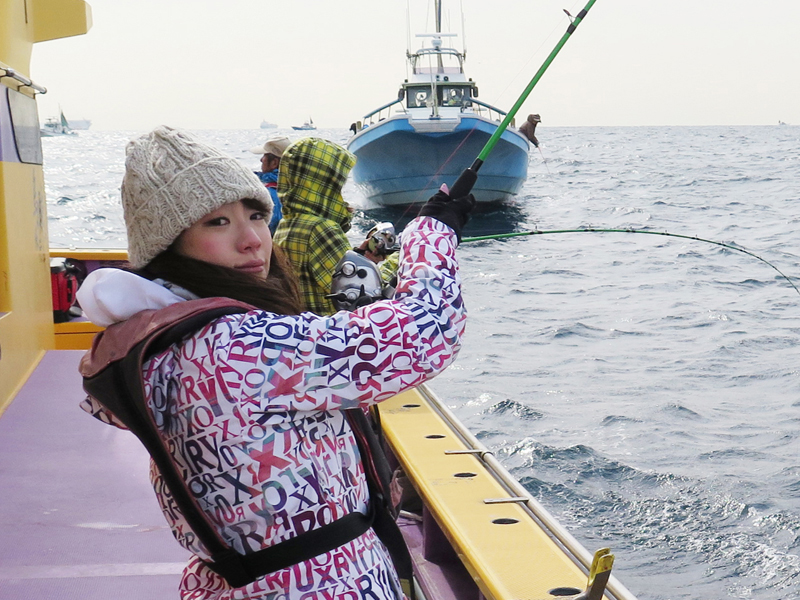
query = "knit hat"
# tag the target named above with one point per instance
(173, 180)
(274, 145)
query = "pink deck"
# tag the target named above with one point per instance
(78, 518)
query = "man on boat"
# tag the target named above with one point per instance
(529, 127)
(271, 152)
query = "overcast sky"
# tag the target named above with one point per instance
(228, 64)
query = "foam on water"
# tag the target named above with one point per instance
(645, 389)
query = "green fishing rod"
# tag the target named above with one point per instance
(469, 176)
(499, 236)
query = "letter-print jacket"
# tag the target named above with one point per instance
(249, 408)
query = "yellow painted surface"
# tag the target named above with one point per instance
(26, 326)
(75, 335)
(23, 22)
(106, 254)
(26, 318)
(16, 34)
(508, 562)
(53, 19)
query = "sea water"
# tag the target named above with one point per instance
(646, 389)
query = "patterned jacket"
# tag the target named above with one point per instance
(249, 407)
(315, 216)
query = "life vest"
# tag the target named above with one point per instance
(112, 375)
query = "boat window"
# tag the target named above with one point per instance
(418, 96)
(25, 120)
(455, 95)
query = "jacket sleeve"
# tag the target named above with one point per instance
(308, 362)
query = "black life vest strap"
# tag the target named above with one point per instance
(120, 389)
(376, 468)
(238, 569)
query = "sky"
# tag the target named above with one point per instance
(229, 64)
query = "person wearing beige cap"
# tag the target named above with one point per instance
(271, 152)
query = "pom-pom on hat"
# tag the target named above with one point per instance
(173, 180)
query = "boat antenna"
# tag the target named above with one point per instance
(469, 176)
(408, 30)
(463, 32)
(498, 236)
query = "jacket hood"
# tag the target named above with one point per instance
(108, 296)
(312, 174)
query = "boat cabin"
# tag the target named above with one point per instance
(442, 94)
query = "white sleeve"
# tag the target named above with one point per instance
(108, 296)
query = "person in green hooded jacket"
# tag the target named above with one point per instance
(315, 215)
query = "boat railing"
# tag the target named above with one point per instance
(439, 54)
(12, 74)
(480, 108)
(489, 107)
(384, 107)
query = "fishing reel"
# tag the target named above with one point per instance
(356, 282)
(382, 240)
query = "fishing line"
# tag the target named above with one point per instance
(544, 160)
(498, 236)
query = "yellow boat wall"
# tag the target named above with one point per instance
(26, 317)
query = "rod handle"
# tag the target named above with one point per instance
(465, 181)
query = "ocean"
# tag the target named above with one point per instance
(646, 389)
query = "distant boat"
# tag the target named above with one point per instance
(781, 123)
(79, 124)
(268, 125)
(53, 127)
(307, 126)
(439, 128)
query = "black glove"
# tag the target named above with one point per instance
(453, 213)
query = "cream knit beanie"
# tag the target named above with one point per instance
(171, 181)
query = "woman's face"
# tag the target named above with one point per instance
(235, 235)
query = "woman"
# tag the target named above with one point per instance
(249, 407)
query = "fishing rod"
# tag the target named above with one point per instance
(469, 176)
(499, 236)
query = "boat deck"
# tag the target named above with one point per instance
(78, 518)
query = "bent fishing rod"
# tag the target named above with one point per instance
(498, 236)
(463, 185)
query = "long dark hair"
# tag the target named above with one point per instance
(279, 293)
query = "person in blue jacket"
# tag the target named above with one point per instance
(271, 152)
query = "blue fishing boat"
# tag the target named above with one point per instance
(307, 126)
(433, 131)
